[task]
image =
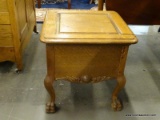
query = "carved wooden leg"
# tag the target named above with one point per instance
(50, 106)
(116, 104)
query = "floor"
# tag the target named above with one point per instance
(23, 96)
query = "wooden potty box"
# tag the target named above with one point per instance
(85, 46)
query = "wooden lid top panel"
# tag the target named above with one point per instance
(82, 26)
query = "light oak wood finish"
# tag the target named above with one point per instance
(17, 22)
(84, 52)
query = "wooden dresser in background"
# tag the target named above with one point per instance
(17, 21)
(139, 12)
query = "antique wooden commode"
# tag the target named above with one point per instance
(85, 46)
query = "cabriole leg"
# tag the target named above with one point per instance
(116, 104)
(48, 82)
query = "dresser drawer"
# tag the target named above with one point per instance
(6, 36)
(3, 6)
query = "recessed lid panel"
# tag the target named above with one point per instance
(85, 23)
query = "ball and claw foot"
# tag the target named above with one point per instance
(50, 107)
(116, 104)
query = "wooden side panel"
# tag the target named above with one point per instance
(7, 54)
(27, 37)
(3, 6)
(31, 21)
(90, 60)
(22, 17)
(6, 36)
(30, 13)
(29, 7)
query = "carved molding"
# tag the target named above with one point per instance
(85, 79)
